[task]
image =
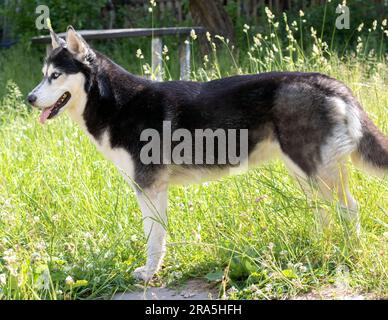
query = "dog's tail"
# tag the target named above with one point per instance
(372, 149)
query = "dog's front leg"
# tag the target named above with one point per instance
(153, 204)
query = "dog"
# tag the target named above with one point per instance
(311, 121)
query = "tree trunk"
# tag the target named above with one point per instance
(212, 16)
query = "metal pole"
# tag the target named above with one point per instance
(157, 63)
(184, 59)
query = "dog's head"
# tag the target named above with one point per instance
(65, 71)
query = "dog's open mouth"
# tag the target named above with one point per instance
(52, 111)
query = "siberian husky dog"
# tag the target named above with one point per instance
(311, 121)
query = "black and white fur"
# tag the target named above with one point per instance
(311, 121)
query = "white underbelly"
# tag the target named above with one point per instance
(264, 151)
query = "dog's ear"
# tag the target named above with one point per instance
(56, 41)
(77, 45)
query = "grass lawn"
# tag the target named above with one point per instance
(70, 227)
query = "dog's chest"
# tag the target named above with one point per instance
(119, 156)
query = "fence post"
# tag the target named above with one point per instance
(5, 27)
(157, 66)
(184, 59)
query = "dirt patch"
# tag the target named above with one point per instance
(334, 293)
(192, 290)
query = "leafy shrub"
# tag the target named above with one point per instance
(12, 102)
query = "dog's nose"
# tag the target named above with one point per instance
(31, 98)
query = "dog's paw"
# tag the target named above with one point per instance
(143, 273)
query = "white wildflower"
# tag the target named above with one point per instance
(41, 245)
(257, 41)
(139, 54)
(269, 14)
(193, 34)
(9, 257)
(88, 235)
(69, 281)
(303, 269)
(374, 25)
(177, 275)
(268, 287)
(3, 279)
(208, 36)
(35, 256)
(232, 290)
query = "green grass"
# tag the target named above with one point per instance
(66, 212)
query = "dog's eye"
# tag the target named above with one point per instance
(55, 75)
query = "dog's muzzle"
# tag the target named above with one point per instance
(31, 99)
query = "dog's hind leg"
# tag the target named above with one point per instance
(309, 187)
(153, 204)
(332, 184)
(329, 184)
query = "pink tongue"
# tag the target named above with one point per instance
(45, 114)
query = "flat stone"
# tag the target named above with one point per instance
(192, 290)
